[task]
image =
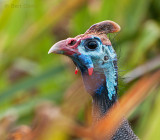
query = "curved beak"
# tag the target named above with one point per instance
(67, 47)
(58, 47)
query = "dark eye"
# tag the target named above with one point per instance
(92, 45)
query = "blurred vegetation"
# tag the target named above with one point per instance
(35, 85)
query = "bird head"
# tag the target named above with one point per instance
(91, 52)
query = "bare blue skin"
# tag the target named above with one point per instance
(96, 59)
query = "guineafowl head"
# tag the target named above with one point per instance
(94, 56)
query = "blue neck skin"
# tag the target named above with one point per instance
(102, 84)
(98, 86)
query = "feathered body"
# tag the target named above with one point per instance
(93, 54)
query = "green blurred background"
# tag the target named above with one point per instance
(28, 75)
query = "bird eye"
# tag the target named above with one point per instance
(92, 45)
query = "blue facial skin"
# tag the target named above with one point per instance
(101, 59)
(86, 60)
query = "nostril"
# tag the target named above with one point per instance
(72, 42)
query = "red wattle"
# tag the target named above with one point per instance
(76, 70)
(90, 71)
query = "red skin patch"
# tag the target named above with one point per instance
(76, 70)
(90, 71)
(72, 49)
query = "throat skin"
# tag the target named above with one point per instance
(96, 86)
(102, 84)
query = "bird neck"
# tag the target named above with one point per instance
(101, 104)
(103, 89)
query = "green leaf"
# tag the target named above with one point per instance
(28, 83)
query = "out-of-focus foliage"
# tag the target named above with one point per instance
(29, 76)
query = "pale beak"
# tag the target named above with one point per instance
(67, 47)
(58, 48)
